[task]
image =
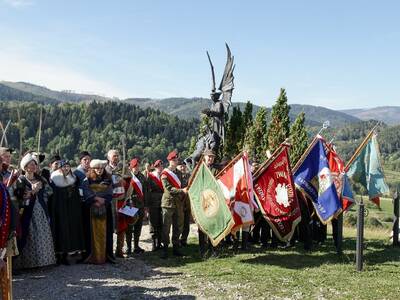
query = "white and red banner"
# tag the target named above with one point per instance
(276, 194)
(338, 174)
(237, 185)
(172, 178)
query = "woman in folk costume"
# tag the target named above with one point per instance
(66, 213)
(35, 242)
(98, 215)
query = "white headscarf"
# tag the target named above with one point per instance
(98, 163)
(27, 159)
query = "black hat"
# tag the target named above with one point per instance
(55, 158)
(41, 157)
(83, 154)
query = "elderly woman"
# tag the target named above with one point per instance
(98, 215)
(66, 213)
(35, 242)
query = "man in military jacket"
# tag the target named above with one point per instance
(135, 197)
(155, 193)
(186, 204)
(172, 204)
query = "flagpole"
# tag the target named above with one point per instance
(20, 134)
(360, 236)
(40, 130)
(361, 147)
(301, 159)
(269, 160)
(396, 219)
(229, 165)
(193, 175)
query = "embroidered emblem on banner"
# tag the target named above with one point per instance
(209, 203)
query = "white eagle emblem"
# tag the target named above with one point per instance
(325, 180)
(282, 197)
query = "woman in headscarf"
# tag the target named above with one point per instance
(66, 213)
(98, 215)
(35, 242)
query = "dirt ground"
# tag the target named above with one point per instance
(129, 278)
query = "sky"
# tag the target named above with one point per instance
(337, 54)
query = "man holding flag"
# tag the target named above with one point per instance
(209, 209)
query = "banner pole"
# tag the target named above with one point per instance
(358, 150)
(360, 236)
(396, 219)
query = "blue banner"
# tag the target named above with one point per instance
(314, 178)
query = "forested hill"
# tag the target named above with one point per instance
(188, 108)
(70, 128)
(184, 108)
(27, 92)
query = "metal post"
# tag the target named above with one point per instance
(396, 219)
(360, 236)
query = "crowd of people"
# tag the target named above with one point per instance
(63, 216)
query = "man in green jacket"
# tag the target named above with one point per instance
(172, 204)
(135, 196)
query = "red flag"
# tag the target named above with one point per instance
(337, 168)
(377, 201)
(276, 195)
(237, 185)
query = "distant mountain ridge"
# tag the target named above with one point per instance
(188, 108)
(49, 96)
(387, 114)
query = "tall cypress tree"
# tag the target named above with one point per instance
(279, 127)
(248, 114)
(234, 133)
(247, 122)
(256, 138)
(299, 138)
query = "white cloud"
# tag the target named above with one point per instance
(19, 3)
(19, 67)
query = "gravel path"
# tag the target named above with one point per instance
(129, 278)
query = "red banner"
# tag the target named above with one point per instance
(276, 195)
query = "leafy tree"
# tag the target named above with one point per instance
(246, 125)
(256, 136)
(299, 138)
(96, 127)
(234, 133)
(279, 129)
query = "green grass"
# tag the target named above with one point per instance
(383, 215)
(293, 273)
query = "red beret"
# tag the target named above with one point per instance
(134, 162)
(172, 155)
(157, 163)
